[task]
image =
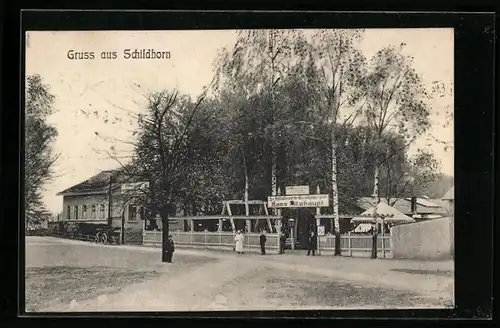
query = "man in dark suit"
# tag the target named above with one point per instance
(283, 242)
(263, 240)
(313, 243)
(170, 249)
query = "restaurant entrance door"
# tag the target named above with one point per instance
(299, 222)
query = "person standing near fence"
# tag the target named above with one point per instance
(239, 238)
(374, 241)
(313, 243)
(282, 242)
(170, 249)
(263, 240)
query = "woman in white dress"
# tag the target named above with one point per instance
(239, 239)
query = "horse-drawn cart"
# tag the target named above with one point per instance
(106, 234)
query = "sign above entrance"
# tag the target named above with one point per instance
(297, 201)
(297, 190)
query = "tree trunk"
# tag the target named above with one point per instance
(388, 191)
(274, 154)
(273, 172)
(335, 196)
(245, 196)
(247, 209)
(375, 183)
(164, 232)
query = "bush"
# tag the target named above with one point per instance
(37, 232)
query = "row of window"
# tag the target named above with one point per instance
(96, 212)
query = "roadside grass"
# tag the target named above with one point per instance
(50, 286)
(301, 292)
(269, 288)
(60, 284)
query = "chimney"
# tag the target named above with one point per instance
(414, 204)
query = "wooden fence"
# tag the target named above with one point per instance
(357, 245)
(354, 245)
(351, 244)
(213, 240)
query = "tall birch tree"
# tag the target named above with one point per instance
(257, 64)
(341, 66)
(396, 100)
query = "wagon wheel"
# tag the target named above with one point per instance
(104, 238)
(115, 240)
(111, 238)
(97, 237)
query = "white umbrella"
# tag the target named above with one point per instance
(382, 211)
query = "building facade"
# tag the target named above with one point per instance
(106, 199)
(100, 199)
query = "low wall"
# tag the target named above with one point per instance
(212, 240)
(433, 239)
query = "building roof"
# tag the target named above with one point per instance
(98, 183)
(424, 205)
(450, 194)
(439, 202)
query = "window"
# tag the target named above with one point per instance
(132, 213)
(103, 211)
(76, 212)
(93, 213)
(84, 212)
(68, 212)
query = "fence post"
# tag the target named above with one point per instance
(383, 239)
(220, 238)
(349, 243)
(205, 233)
(374, 244)
(319, 244)
(391, 247)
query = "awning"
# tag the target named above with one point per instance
(363, 227)
(382, 212)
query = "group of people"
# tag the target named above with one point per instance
(239, 240)
(312, 242)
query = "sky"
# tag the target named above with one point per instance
(89, 91)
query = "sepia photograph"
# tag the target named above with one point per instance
(239, 170)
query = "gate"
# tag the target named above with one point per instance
(131, 236)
